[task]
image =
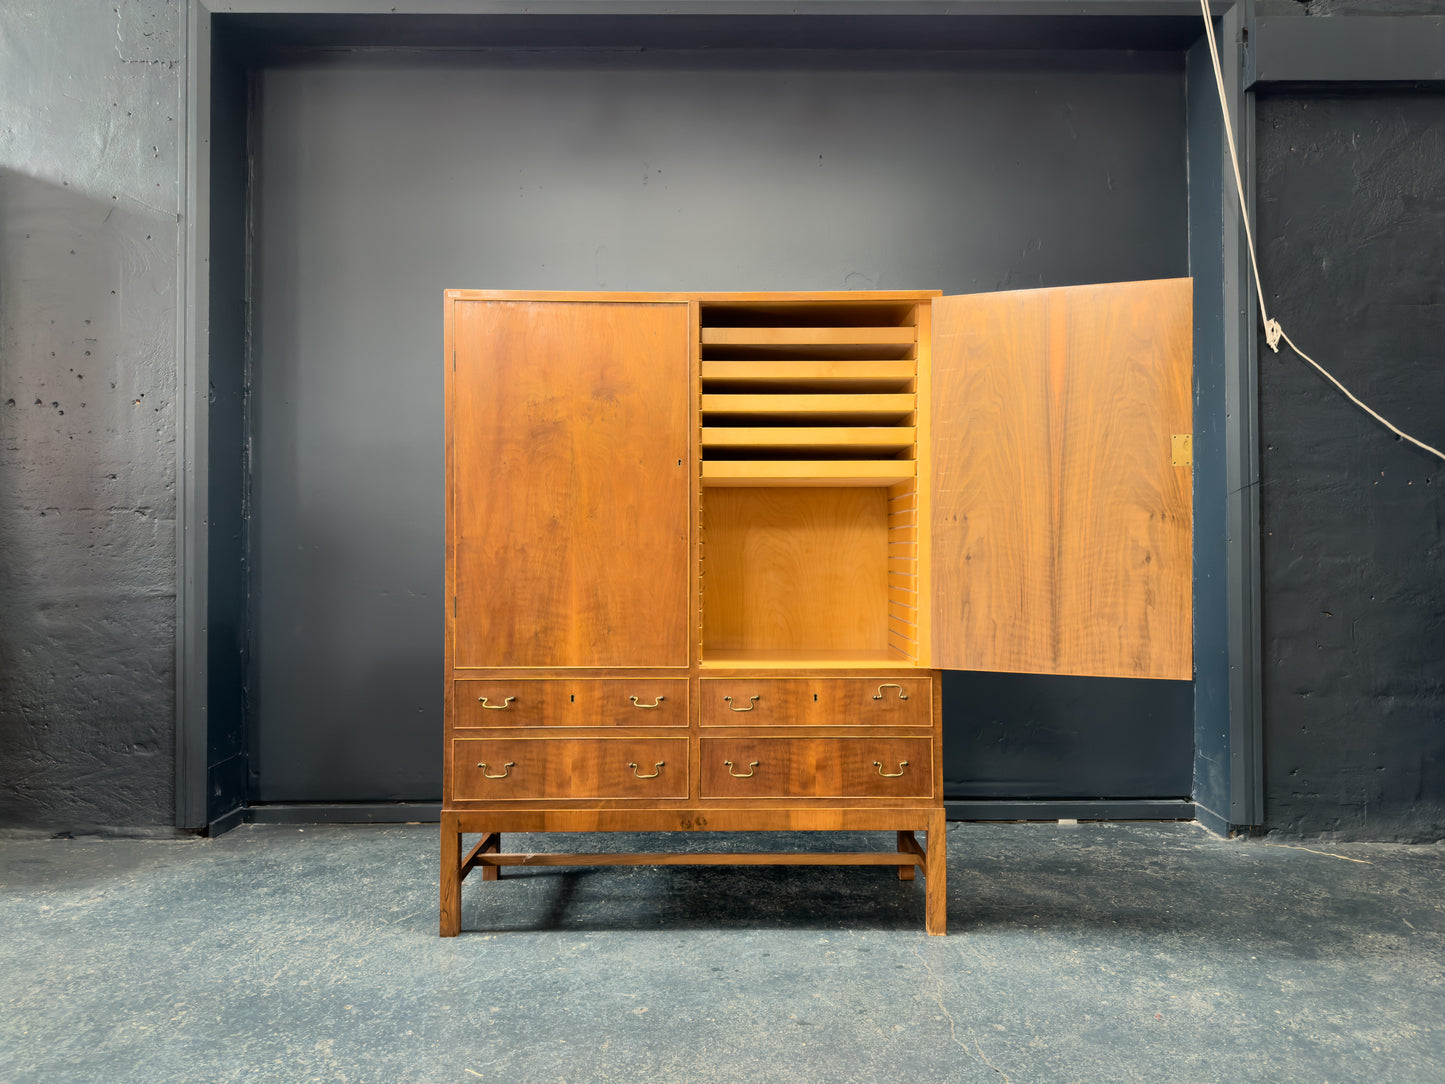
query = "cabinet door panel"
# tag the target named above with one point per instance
(1060, 527)
(570, 492)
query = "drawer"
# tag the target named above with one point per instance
(861, 767)
(571, 702)
(513, 769)
(881, 701)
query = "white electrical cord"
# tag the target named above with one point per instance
(1273, 333)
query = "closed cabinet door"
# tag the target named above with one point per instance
(568, 506)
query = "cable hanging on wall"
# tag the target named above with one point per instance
(1273, 332)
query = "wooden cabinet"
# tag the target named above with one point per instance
(706, 551)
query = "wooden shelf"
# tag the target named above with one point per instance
(808, 402)
(750, 658)
(807, 336)
(819, 438)
(883, 405)
(824, 372)
(778, 376)
(806, 472)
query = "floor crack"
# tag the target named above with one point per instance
(1327, 854)
(937, 988)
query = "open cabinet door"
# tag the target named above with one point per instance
(1060, 492)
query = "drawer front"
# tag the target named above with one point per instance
(882, 701)
(571, 702)
(515, 769)
(862, 767)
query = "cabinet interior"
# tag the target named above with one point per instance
(808, 426)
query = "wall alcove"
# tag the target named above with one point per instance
(356, 165)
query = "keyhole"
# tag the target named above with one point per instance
(815, 698)
(574, 698)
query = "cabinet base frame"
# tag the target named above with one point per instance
(910, 857)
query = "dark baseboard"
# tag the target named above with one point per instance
(1213, 821)
(973, 809)
(344, 813)
(1103, 809)
(226, 821)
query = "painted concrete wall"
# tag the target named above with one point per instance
(1352, 221)
(88, 236)
(382, 180)
(1352, 227)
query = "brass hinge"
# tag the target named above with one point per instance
(1182, 445)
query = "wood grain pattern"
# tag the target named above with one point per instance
(817, 438)
(571, 702)
(490, 843)
(908, 844)
(785, 473)
(797, 570)
(705, 858)
(754, 300)
(811, 404)
(935, 870)
(860, 374)
(564, 768)
(1060, 530)
(886, 701)
(451, 876)
(918, 498)
(571, 443)
(904, 628)
(816, 767)
(724, 815)
(806, 336)
(777, 658)
(561, 403)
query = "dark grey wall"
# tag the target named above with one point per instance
(228, 444)
(88, 162)
(1211, 774)
(384, 180)
(1352, 220)
(88, 235)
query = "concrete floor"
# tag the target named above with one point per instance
(1097, 952)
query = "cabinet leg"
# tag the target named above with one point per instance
(936, 872)
(493, 845)
(451, 870)
(906, 873)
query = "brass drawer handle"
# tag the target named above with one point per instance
(506, 770)
(635, 704)
(657, 768)
(890, 775)
(752, 703)
(752, 768)
(496, 707)
(901, 694)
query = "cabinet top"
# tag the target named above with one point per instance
(685, 296)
